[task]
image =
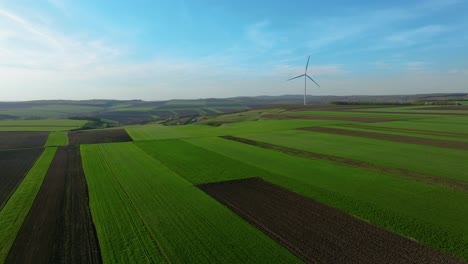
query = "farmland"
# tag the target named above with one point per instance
(189, 226)
(326, 183)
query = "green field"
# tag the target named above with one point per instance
(16, 209)
(397, 204)
(444, 162)
(41, 125)
(57, 138)
(146, 206)
(143, 211)
(157, 132)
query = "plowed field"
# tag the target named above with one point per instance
(14, 164)
(315, 232)
(98, 136)
(16, 140)
(59, 228)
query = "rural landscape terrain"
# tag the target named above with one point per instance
(362, 179)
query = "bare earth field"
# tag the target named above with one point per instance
(320, 117)
(396, 138)
(315, 232)
(59, 227)
(14, 165)
(17, 140)
(98, 136)
(452, 183)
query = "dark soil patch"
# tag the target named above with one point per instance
(396, 138)
(17, 140)
(447, 107)
(14, 165)
(454, 184)
(59, 227)
(416, 131)
(98, 136)
(321, 117)
(315, 232)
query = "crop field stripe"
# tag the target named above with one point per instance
(452, 183)
(14, 166)
(19, 140)
(444, 162)
(186, 224)
(334, 117)
(396, 138)
(57, 138)
(410, 113)
(16, 209)
(58, 228)
(415, 131)
(315, 232)
(395, 204)
(123, 236)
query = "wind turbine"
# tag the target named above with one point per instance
(305, 80)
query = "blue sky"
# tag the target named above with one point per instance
(156, 50)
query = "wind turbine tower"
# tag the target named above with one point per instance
(305, 80)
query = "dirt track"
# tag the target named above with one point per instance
(98, 136)
(396, 138)
(454, 184)
(322, 117)
(59, 228)
(17, 140)
(14, 165)
(316, 232)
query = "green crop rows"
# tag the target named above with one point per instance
(144, 212)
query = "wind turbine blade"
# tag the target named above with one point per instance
(296, 77)
(307, 65)
(312, 80)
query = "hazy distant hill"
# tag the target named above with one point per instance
(131, 111)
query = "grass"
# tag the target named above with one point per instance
(444, 162)
(454, 125)
(144, 212)
(41, 125)
(16, 209)
(433, 215)
(57, 138)
(189, 161)
(157, 132)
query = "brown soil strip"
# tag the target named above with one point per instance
(403, 173)
(14, 165)
(322, 117)
(17, 140)
(315, 232)
(396, 138)
(98, 136)
(417, 131)
(448, 107)
(59, 227)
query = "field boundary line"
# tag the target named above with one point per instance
(439, 143)
(402, 173)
